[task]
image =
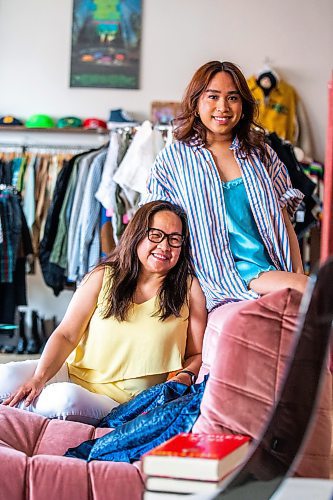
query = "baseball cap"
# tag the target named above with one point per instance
(40, 121)
(10, 121)
(94, 123)
(69, 122)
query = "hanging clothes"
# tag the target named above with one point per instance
(60, 246)
(75, 208)
(54, 275)
(304, 218)
(281, 110)
(126, 169)
(106, 234)
(29, 206)
(88, 224)
(133, 171)
(77, 220)
(15, 246)
(277, 111)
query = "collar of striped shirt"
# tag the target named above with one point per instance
(196, 142)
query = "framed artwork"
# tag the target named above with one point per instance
(163, 112)
(106, 36)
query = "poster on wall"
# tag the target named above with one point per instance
(106, 36)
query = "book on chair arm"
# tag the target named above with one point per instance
(205, 457)
(175, 485)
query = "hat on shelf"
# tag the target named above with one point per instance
(40, 121)
(10, 121)
(69, 122)
(94, 123)
(120, 118)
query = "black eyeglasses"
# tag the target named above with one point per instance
(157, 235)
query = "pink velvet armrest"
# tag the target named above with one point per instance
(32, 465)
(247, 346)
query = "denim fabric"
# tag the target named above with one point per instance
(145, 401)
(130, 440)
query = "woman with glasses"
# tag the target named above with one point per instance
(236, 192)
(137, 317)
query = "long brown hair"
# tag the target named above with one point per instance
(125, 267)
(188, 124)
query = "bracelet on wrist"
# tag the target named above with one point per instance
(192, 375)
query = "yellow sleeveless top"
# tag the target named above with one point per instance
(120, 359)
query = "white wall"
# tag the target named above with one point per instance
(178, 36)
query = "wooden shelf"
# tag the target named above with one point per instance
(55, 130)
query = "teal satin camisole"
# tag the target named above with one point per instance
(250, 255)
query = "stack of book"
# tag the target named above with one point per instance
(192, 463)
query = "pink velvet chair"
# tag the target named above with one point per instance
(246, 350)
(257, 334)
(32, 465)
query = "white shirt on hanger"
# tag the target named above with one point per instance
(134, 169)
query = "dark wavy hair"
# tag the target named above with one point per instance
(187, 124)
(125, 267)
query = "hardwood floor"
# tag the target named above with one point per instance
(5, 358)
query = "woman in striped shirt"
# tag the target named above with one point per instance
(235, 190)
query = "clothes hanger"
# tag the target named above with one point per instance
(267, 78)
(267, 68)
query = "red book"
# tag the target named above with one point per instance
(206, 457)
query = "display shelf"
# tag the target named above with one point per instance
(55, 130)
(54, 137)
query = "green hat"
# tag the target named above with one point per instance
(40, 121)
(69, 122)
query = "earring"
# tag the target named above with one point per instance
(196, 114)
(242, 116)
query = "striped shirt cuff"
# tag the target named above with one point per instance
(291, 199)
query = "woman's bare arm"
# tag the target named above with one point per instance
(296, 258)
(196, 329)
(64, 339)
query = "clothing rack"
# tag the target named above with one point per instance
(134, 128)
(60, 148)
(27, 146)
(46, 148)
(159, 126)
(8, 188)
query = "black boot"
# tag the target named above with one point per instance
(47, 327)
(22, 342)
(34, 343)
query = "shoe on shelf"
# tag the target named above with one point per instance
(23, 341)
(8, 349)
(34, 342)
(120, 118)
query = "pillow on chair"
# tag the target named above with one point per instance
(247, 348)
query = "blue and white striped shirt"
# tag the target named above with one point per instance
(185, 174)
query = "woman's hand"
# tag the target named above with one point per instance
(28, 391)
(181, 378)
(295, 253)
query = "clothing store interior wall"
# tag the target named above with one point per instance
(177, 37)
